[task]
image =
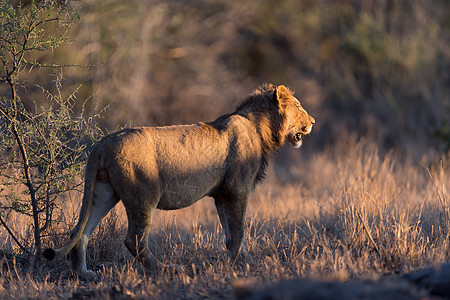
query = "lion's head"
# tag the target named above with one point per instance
(278, 116)
(297, 121)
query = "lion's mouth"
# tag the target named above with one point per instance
(296, 139)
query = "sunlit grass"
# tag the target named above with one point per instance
(351, 214)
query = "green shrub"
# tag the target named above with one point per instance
(42, 141)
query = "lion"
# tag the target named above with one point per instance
(172, 167)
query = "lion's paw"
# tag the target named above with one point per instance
(88, 275)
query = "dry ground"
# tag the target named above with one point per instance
(351, 214)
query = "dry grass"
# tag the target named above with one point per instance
(351, 213)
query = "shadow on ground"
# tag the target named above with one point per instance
(430, 283)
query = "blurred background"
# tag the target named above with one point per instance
(373, 69)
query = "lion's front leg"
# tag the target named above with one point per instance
(220, 206)
(231, 210)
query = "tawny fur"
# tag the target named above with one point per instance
(173, 167)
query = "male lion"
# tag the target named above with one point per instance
(173, 167)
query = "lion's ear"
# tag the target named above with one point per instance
(280, 93)
(283, 92)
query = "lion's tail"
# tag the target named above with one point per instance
(89, 185)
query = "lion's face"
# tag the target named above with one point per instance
(299, 122)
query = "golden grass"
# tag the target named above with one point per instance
(352, 213)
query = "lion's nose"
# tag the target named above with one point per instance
(312, 121)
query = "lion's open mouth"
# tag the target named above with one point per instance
(298, 137)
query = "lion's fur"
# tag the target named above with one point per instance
(173, 167)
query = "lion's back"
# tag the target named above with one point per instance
(186, 160)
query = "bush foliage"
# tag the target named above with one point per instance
(42, 142)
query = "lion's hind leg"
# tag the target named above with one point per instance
(105, 198)
(139, 223)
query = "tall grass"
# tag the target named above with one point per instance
(352, 213)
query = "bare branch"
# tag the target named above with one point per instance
(12, 235)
